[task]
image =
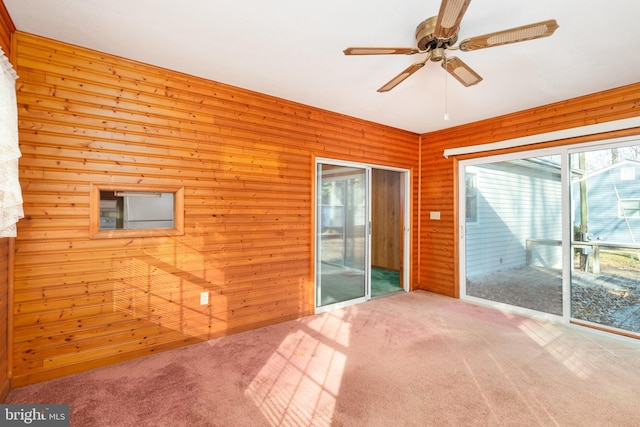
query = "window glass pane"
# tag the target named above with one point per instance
(629, 209)
(513, 253)
(135, 210)
(605, 276)
(471, 197)
(342, 232)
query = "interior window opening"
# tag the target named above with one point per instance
(125, 211)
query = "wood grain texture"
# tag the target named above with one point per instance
(7, 27)
(245, 161)
(438, 239)
(386, 219)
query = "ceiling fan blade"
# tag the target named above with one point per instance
(449, 17)
(403, 75)
(513, 35)
(380, 51)
(461, 71)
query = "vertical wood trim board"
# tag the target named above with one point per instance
(245, 161)
(4, 318)
(7, 27)
(438, 243)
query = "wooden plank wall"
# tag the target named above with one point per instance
(386, 219)
(6, 28)
(246, 163)
(438, 249)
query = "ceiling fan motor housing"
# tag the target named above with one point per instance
(426, 38)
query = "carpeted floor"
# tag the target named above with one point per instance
(411, 359)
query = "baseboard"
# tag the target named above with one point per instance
(4, 390)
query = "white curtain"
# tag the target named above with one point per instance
(10, 193)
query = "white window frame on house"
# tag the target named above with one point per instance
(623, 212)
(628, 174)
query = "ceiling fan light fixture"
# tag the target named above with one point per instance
(438, 54)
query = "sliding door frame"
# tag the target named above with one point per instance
(564, 152)
(406, 238)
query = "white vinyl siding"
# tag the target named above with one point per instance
(516, 202)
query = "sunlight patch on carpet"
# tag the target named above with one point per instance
(548, 336)
(334, 325)
(295, 389)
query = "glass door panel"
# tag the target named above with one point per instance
(513, 233)
(605, 211)
(342, 234)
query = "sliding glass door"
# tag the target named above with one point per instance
(605, 220)
(342, 234)
(555, 232)
(513, 233)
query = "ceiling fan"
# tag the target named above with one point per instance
(439, 33)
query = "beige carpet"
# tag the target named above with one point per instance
(414, 359)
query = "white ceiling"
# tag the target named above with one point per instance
(292, 49)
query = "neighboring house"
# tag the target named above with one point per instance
(520, 201)
(613, 200)
(512, 201)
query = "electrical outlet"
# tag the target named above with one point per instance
(204, 298)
